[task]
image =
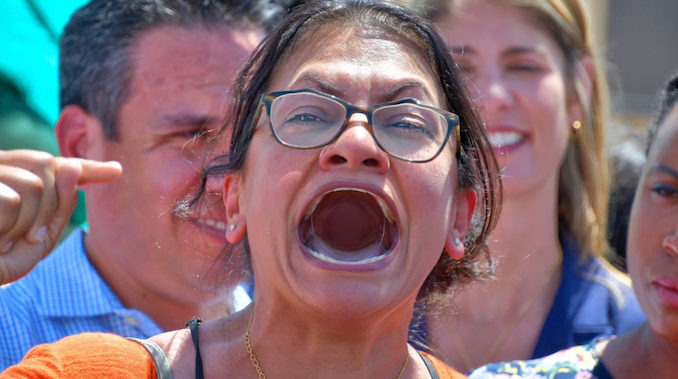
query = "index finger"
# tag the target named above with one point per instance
(93, 171)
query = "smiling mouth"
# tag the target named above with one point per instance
(503, 139)
(348, 226)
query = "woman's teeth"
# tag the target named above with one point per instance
(499, 139)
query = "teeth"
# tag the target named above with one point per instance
(220, 225)
(384, 209)
(505, 138)
(325, 258)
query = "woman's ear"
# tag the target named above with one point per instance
(236, 223)
(585, 75)
(464, 206)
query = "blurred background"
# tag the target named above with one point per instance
(28, 77)
(639, 39)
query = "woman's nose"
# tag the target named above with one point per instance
(670, 243)
(494, 92)
(355, 149)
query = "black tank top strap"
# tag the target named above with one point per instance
(193, 326)
(431, 370)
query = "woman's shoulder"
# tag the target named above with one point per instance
(568, 363)
(86, 355)
(174, 343)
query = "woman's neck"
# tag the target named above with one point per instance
(525, 242)
(641, 353)
(306, 344)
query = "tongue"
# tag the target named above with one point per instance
(347, 226)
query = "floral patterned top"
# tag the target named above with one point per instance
(579, 362)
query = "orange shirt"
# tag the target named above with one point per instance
(443, 370)
(102, 355)
(85, 356)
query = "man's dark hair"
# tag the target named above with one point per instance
(95, 52)
(668, 98)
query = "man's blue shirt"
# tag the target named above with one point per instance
(63, 295)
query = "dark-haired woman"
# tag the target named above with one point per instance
(355, 167)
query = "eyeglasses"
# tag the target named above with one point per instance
(404, 129)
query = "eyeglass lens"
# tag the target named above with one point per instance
(408, 131)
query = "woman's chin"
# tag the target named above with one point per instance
(348, 299)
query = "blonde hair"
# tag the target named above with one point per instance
(583, 194)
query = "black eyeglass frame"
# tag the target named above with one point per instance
(452, 119)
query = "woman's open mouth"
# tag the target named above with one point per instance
(348, 226)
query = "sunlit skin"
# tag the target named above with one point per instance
(351, 323)
(156, 261)
(419, 193)
(652, 350)
(516, 72)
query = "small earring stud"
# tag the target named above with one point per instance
(231, 227)
(576, 126)
(457, 241)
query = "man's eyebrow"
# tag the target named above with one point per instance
(664, 169)
(190, 118)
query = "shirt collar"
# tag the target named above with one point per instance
(72, 287)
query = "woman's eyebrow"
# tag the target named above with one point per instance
(461, 50)
(519, 50)
(664, 169)
(406, 85)
(323, 85)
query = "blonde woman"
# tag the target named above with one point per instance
(543, 101)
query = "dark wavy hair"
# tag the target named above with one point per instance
(667, 100)
(97, 46)
(477, 165)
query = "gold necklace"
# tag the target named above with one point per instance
(487, 357)
(260, 371)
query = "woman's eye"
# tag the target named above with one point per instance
(406, 125)
(465, 68)
(664, 190)
(304, 117)
(410, 127)
(523, 66)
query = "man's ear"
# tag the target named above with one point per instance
(236, 227)
(74, 130)
(464, 206)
